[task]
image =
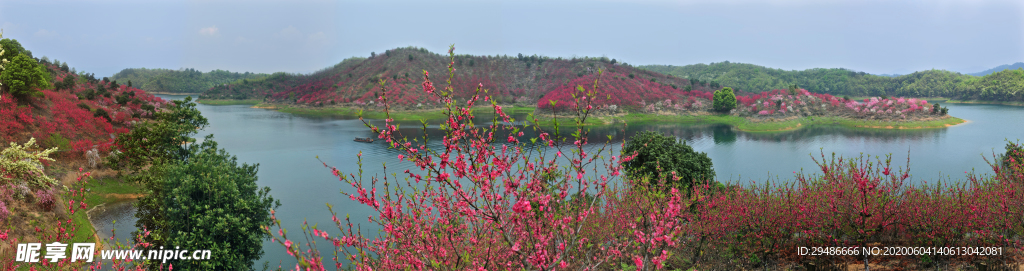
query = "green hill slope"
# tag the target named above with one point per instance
(1002, 86)
(180, 81)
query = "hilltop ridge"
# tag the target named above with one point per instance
(520, 79)
(1000, 86)
(181, 80)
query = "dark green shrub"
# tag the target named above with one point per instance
(724, 100)
(100, 113)
(59, 141)
(86, 94)
(1014, 154)
(23, 77)
(123, 99)
(659, 155)
(212, 201)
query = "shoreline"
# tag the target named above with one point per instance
(173, 93)
(739, 123)
(985, 102)
(228, 102)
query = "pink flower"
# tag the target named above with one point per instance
(639, 262)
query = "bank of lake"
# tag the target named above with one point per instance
(547, 119)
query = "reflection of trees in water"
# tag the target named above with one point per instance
(718, 133)
(846, 133)
(724, 134)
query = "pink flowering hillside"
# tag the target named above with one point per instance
(75, 115)
(509, 80)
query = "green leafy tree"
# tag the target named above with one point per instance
(157, 142)
(69, 82)
(101, 113)
(144, 152)
(724, 100)
(198, 195)
(209, 201)
(658, 156)
(11, 49)
(22, 76)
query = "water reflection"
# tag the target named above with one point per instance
(122, 212)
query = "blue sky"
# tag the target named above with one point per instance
(301, 36)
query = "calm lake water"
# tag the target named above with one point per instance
(286, 146)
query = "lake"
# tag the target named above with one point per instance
(286, 146)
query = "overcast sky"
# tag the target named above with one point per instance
(301, 36)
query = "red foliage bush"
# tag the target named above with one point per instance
(13, 118)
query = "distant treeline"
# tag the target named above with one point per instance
(181, 81)
(1005, 85)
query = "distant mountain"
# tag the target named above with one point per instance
(180, 81)
(1013, 66)
(524, 80)
(1003, 85)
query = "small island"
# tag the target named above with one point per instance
(774, 111)
(781, 110)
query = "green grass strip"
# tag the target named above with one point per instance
(228, 102)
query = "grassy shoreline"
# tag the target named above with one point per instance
(174, 93)
(985, 102)
(782, 125)
(102, 191)
(739, 123)
(228, 102)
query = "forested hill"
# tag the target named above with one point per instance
(1013, 66)
(180, 81)
(509, 79)
(1006, 85)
